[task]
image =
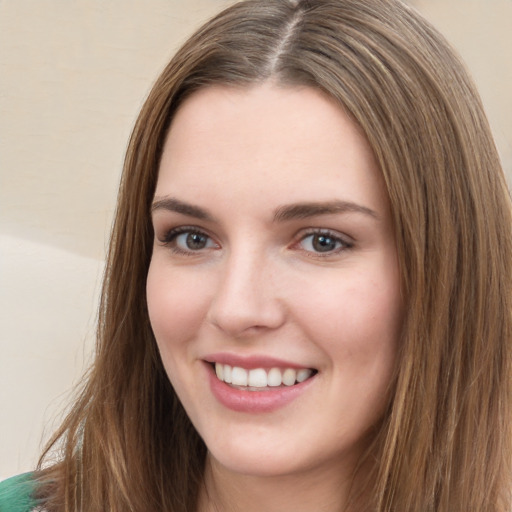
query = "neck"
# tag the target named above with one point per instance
(321, 490)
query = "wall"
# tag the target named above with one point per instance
(73, 76)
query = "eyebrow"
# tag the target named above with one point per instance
(295, 211)
(305, 210)
(175, 205)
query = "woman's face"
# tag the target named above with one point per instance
(273, 290)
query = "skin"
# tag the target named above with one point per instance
(258, 284)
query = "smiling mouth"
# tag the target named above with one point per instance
(261, 379)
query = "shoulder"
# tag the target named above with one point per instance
(16, 493)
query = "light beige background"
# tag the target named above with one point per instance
(73, 75)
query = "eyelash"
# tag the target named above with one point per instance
(170, 238)
(343, 244)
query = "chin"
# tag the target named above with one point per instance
(258, 455)
(253, 463)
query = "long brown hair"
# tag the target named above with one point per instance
(445, 441)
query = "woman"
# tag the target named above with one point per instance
(307, 299)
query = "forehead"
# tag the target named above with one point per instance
(293, 140)
(264, 110)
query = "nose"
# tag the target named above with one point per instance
(247, 299)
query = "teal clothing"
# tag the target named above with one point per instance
(16, 494)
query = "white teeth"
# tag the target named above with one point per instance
(289, 377)
(274, 377)
(239, 376)
(260, 377)
(227, 372)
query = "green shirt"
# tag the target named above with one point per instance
(16, 493)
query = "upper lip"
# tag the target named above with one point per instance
(252, 361)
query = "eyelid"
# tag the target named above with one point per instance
(170, 233)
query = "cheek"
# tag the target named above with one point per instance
(357, 323)
(353, 310)
(176, 304)
(361, 337)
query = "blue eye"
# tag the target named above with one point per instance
(186, 240)
(323, 243)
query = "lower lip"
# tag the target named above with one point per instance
(255, 401)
